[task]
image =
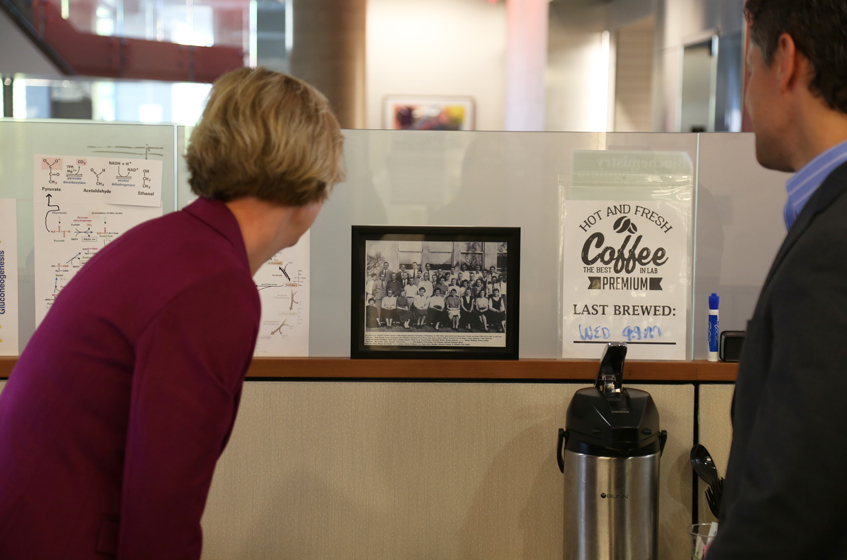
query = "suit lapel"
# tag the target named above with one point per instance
(833, 186)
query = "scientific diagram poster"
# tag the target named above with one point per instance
(80, 205)
(283, 284)
(8, 278)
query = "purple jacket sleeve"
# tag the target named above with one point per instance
(189, 369)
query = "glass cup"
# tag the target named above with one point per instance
(702, 535)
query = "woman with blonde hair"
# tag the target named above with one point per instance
(117, 411)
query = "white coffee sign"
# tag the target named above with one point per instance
(625, 278)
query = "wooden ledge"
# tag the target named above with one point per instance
(475, 370)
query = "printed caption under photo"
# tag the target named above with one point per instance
(455, 340)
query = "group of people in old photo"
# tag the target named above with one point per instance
(462, 297)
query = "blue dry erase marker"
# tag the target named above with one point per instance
(713, 327)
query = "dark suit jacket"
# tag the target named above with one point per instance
(786, 485)
(120, 405)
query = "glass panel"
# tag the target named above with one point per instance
(187, 22)
(108, 100)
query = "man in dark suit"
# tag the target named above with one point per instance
(389, 274)
(786, 487)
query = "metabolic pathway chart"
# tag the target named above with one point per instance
(283, 284)
(81, 204)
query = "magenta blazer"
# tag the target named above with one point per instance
(122, 402)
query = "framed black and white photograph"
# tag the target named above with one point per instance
(435, 292)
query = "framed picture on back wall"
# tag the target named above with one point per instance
(435, 292)
(419, 112)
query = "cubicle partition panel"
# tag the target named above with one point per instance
(739, 230)
(715, 432)
(319, 470)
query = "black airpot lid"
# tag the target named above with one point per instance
(609, 420)
(621, 425)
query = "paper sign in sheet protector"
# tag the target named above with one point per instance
(81, 204)
(626, 266)
(283, 284)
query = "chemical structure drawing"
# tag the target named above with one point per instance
(81, 227)
(266, 286)
(51, 173)
(106, 232)
(58, 284)
(99, 184)
(146, 180)
(50, 211)
(279, 269)
(73, 170)
(79, 242)
(61, 275)
(87, 235)
(293, 279)
(291, 305)
(279, 328)
(82, 257)
(282, 268)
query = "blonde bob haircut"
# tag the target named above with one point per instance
(266, 135)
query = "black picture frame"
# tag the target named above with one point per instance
(488, 246)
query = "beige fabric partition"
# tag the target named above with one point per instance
(715, 433)
(413, 470)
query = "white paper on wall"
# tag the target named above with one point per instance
(283, 284)
(8, 278)
(625, 278)
(80, 205)
(625, 257)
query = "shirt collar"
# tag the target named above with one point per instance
(217, 216)
(803, 185)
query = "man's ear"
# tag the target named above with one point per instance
(791, 65)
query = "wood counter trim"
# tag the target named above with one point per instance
(6, 366)
(471, 370)
(716, 371)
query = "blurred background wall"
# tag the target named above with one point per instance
(570, 65)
